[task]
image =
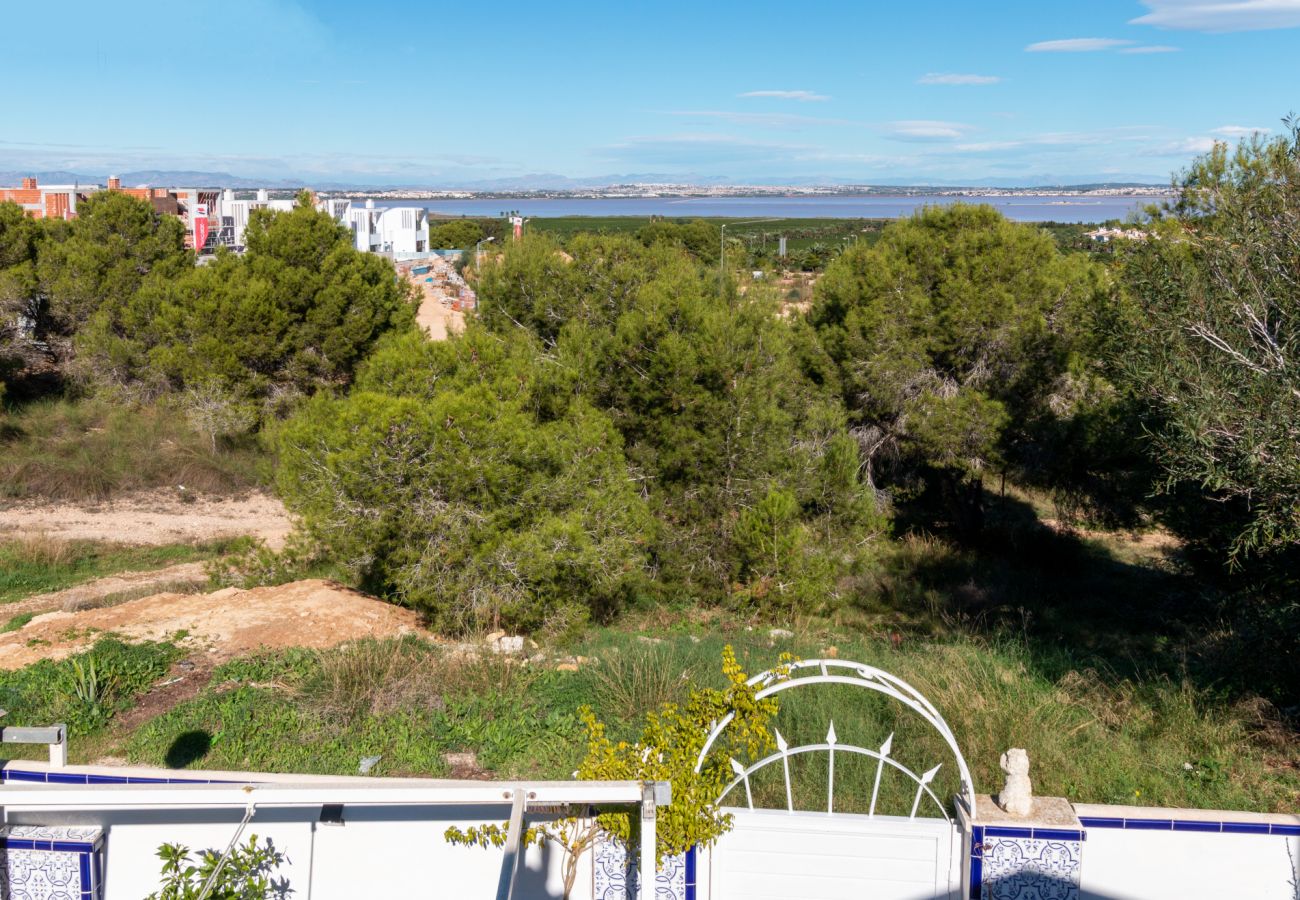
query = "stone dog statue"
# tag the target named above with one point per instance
(1017, 795)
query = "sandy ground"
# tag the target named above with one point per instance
(224, 624)
(435, 314)
(157, 517)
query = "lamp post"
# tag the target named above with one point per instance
(722, 260)
(478, 249)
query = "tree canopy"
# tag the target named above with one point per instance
(468, 480)
(295, 314)
(20, 239)
(459, 234)
(103, 256)
(1211, 332)
(708, 393)
(700, 238)
(951, 335)
(609, 428)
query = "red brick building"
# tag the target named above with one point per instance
(49, 202)
(60, 202)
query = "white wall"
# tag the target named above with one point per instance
(1141, 864)
(238, 211)
(403, 229)
(378, 852)
(361, 221)
(385, 850)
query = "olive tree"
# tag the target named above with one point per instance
(1213, 331)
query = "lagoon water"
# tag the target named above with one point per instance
(1021, 208)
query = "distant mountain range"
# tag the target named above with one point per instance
(545, 181)
(159, 178)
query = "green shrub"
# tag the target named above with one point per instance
(1205, 344)
(245, 874)
(103, 256)
(672, 738)
(469, 488)
(709, 390)
(950, 334)
(455, 235)
(243, 338)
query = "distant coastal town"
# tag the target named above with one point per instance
(668, 190)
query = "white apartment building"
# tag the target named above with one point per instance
(398, 231)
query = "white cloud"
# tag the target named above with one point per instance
(1194, 146)
(1238, 131)
(1221, 15)
(925, 130)
(1152, 48)
(771, 120)
(801, 96)
(1189, 147)
(1077, 45)
(953, 78)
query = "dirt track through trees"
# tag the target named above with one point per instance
(156, 517)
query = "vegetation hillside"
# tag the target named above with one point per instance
(977, 444)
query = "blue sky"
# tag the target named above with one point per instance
(440, 94)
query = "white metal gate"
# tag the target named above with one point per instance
(778, 855)
(792, 854)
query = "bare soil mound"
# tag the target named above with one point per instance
(154, 517)
(225, 623)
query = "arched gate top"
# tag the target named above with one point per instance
(811, 672)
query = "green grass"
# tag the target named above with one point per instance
(84, 691)
(95, 449)
(1067, 645)
(405, 701)
(17, 622)
(38, 565)
(1093, 736)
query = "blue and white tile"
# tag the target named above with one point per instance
(616, 877)
(1017, 868)
(44, 862)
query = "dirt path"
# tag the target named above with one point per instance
(93, 593)
(439, 320)
(223, 624)
(435, 314)
(156, 517)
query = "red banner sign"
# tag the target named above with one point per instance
(200, 225)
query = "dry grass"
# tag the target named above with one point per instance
(39, 564)
(40, 550)
(180, 586)
(376, 677)
(92, 450)
(641, 678)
